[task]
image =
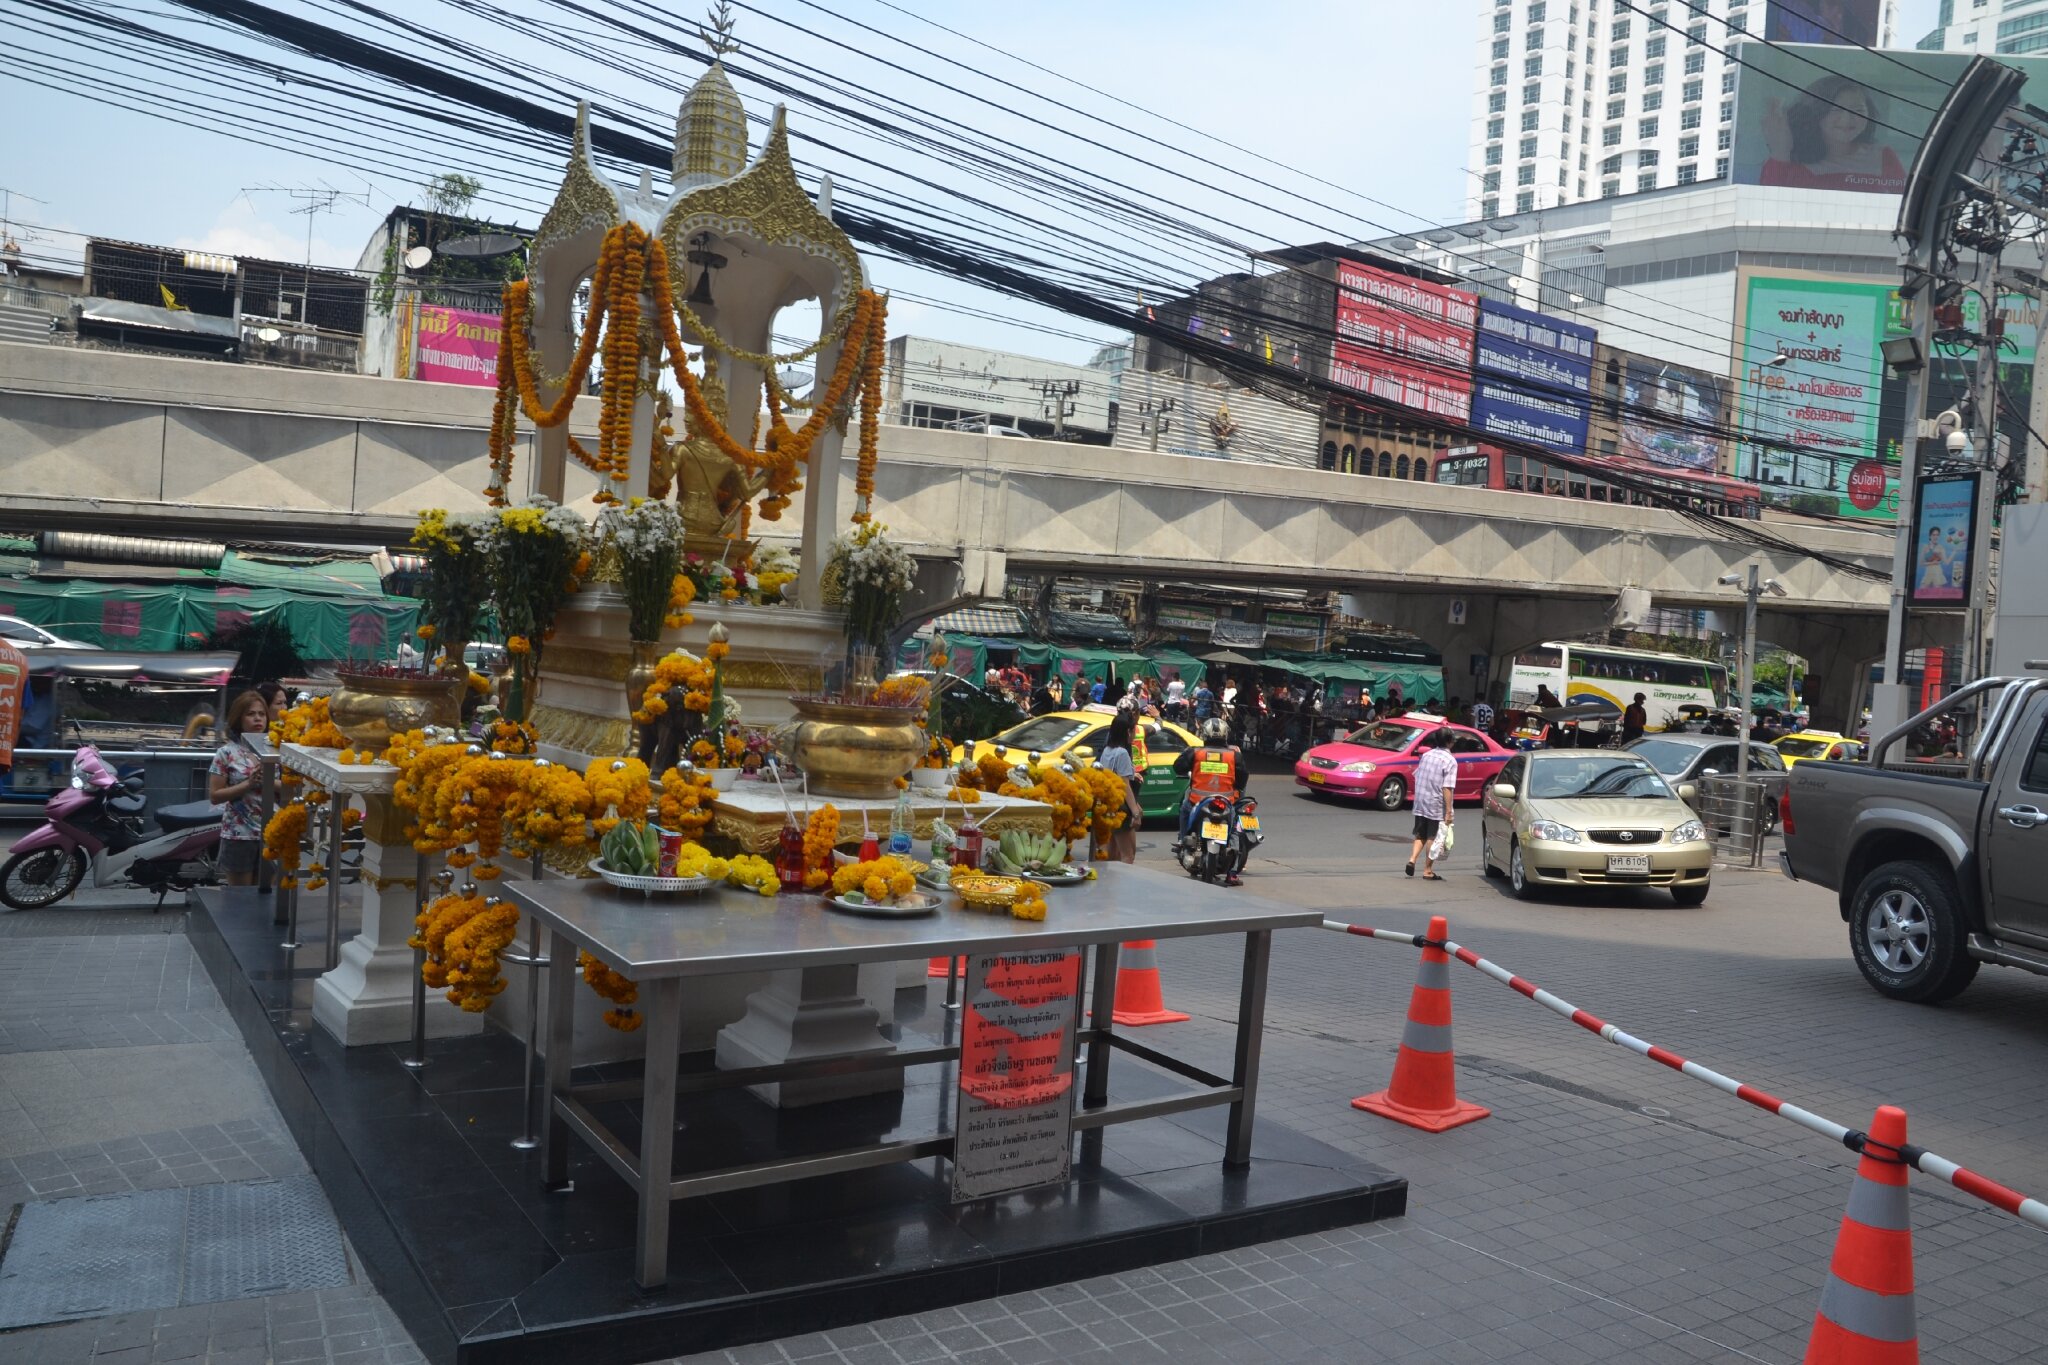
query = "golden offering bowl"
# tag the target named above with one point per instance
(370, 708)
(856, 750)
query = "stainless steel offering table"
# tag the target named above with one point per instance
(660, 943)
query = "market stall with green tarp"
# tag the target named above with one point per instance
(179, 613)
(1190, 669)
(1420, 684)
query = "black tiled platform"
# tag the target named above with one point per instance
(483, 1266)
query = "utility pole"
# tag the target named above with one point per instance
(1976, 647)
(2035, 486)
(1753, 586)
(1156, 412)
(1056, 394)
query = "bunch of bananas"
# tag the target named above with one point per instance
(1018, 853)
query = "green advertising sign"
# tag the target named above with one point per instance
(1824, 399)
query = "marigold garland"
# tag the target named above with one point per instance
(462, 934)
(821, 835)
(870, 413)
(620, 788)
(685, 804)
(677, 668)
(621, 990)
(309, 724)
(282, 837)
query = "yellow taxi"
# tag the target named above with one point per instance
(1827, 745)
(1076, 736)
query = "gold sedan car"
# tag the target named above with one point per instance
(1592, 817)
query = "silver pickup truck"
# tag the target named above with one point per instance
(1940, 866)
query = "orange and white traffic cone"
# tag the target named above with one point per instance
(1424, 1091)
(1138, 998)
(943, 967)
(1866, 1309)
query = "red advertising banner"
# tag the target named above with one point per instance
(457, 346)
(1404, 340)
(13, 696)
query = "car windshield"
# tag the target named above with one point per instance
(1664, 755)
(1384, 735)
(1556, 779)
(1042, 734)
(1804, 748)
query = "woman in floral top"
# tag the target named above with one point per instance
(231, 783)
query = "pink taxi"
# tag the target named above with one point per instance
(1377, 761)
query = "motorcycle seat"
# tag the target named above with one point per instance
(187, 815)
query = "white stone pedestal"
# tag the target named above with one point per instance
(367, 998)
(805, 1015)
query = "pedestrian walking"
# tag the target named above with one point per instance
(1436, 786)
(1116, 758)
(1635, 720)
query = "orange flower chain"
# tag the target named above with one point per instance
(632, 263)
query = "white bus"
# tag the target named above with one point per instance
(1674, 685)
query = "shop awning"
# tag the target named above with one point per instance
(991, 620)
(118, 313)
(1190, 669)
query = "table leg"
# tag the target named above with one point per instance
(663, 1002)
(1251, 1028)
(336, 804)
(1101, 1002)
(555, 1138)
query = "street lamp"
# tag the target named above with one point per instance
(1753, 588)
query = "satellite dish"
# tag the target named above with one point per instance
(483, 244)
(268, 334)
(417, 258)
(795, 380)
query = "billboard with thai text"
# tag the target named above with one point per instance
(457, 346)
(1532, 377)
(1404, 340)
(1813, 389)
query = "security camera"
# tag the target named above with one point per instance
(1774, 587)
(1731, 580)
(1958, 442)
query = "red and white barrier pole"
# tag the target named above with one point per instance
(2030, 1210)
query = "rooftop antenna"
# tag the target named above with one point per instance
(7, 198)
(313, 200)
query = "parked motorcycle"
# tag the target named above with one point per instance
(1221, 838)
(96, 826)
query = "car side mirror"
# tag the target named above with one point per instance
(1710, 772)
(1082, 751)
(1688, 793)
(1504, 791)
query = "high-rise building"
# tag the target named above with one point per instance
(1989, 26)
(1588, 99)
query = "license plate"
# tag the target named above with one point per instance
(1636, 863)
(1213, 829)
(1249, 822)
(1316, 777)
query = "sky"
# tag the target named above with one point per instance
(1358, 111)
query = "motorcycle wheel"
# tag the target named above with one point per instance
(30, 881)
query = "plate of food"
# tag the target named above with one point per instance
(891, 907)
(1066, 874)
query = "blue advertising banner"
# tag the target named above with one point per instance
(1533, 377)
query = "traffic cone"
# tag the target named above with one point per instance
(1424, 1091)
(943, 967)
(1138, 1000)
(1866, 1309)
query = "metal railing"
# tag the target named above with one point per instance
(1736, 812)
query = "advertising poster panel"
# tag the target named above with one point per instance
(457, 346)
(1850, 23)
(1819, 117)
(1827, 396)
(1671, 413)
(1532, 377)
(1944, 529)
(1404, 340)
(13, 691)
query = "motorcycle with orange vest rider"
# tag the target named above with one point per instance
(1215, 768)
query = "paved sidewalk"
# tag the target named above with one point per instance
(120, 1071)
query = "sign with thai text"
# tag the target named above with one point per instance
(1813, 384)
(13, 697)
(1532, 377)
(1404, 340)
(457, 346)
(1014, 1126)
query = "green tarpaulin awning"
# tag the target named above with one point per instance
(1190, 669)
(179, 614)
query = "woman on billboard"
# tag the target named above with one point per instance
(1829, 140)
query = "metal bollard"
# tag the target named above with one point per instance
(443, 879)
(290, 896)
(533, 961)
(335, 805)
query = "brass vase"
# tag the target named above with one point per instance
(370, 708)
(861, 751)
(646, 656)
